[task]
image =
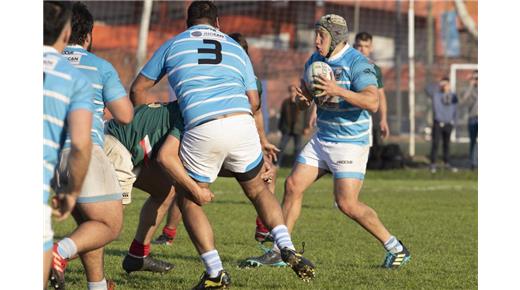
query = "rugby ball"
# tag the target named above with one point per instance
(314, 70)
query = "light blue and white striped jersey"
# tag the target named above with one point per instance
(207, 70)
(65, 89)
(105, 81)
(340, 121)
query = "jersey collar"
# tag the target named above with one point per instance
(340, 53)
(202, 26)
(75, 46)
(49, 49)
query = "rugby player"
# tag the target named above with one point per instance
(343, 138)
(262, 234)
(133, 150)
(363, 43)
(98, 211)
(209, 73)
(67, 108)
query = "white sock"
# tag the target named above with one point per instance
(67, 248)
(212, 263)
(275, 248)
(393, 245)
(101, 285)
(282, 238)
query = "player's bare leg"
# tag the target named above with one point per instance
(154, 181)
(196, 222)
(270, 212)
(99, 223)
(92, 260)
(105, 219)
(169, 230)
(47, 260)
(93, 263)
(262, 232)
(346, 192)
(301, 177)
(265, 202)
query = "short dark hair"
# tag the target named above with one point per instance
(445, 79)
(363, 36)
(55, 16)
(82, 23)
(238, 37)
(202, 12)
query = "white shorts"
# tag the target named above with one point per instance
(231, 142)
(122, 161)
(47, 228)
(100, 183)
(344, 160)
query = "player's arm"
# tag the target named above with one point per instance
(115, 97)
(303, 97)
(170, 161)
(80, 124)
(138, 89)
(152, 72)
(367, 98)
(385, 130)
(269, 149)
(122, 110)
(79, 120)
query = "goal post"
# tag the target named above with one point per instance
(455, 70)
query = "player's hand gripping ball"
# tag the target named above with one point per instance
(314, 70)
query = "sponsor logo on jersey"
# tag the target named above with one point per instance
(212, 34)
(49, 63)
(74, 59)
(196, 34)
(337, 73)
(345, 162)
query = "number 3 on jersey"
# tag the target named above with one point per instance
(217, 51)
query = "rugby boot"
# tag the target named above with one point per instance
(163, 240)
(222, 281)
(132, 264)
(393, 261)
(57, 275)
(303, 268)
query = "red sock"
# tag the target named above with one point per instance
(260, 227)
(169, 232)
(139, 250)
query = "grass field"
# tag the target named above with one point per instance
(435, 216)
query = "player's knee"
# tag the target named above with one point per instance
(352, 209)
(117, 229)
(116, 226)
(291, 188)
(254, 190)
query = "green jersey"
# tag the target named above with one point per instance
(151, 126)
(379, 76)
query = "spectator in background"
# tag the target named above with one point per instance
(293, 123)
(470, 98)
(444, 103)
(363, 43)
